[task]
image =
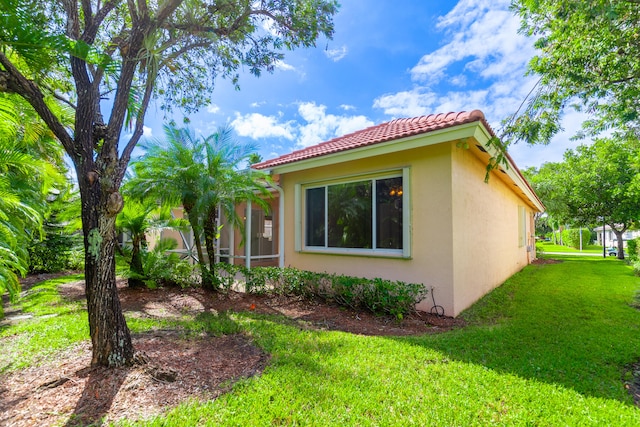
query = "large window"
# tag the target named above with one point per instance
(365, 214)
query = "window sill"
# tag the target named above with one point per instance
(369, 253)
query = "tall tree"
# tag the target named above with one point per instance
(602, 185)
(588, 58)
(202, 176)
(129, 52)
(549, 183)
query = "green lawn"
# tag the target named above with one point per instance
(550, 247)
(548, 348)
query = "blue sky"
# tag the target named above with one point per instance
(388, 59)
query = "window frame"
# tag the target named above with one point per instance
(301, 212)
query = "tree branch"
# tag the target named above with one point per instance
(12, 81)
(138, 130)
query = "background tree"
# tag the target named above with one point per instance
(588, 58)
(30, 170)
(202, 176)
(549, 184)
(77, 53)
(601, 182)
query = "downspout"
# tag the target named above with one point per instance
(247, 235)
(280, 225)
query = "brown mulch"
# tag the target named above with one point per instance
(65, 391)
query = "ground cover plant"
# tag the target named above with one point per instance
(553, 346)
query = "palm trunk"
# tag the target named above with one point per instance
(210, 233)
(136, 264)
(207, 281)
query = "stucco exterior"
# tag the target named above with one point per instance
(465, 236)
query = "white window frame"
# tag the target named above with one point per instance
(300, 212)
(522, 226)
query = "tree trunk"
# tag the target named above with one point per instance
(619, 234)
(210, 234)
(136, 264)
(207, 281)
(110, 335)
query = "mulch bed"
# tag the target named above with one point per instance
(65, 391)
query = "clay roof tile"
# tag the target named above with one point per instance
(389, 131)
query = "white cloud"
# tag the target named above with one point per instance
(347, 107)
(412, 103)
(321, 126)
(337, 54)
(316, 125)
(147, 132)
(213, 108)
(487, 39)
(258, 126)
(481, 66)
(281, 65)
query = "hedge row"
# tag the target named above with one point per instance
(377, 295)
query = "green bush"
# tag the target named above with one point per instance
(56, 252)
(636, 268)
(166, 268)
(632, 249)
(571, 237)
(377, 295)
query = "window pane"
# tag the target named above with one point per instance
(389, 213)
(349, 215)
(315, 217)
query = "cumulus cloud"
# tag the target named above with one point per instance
(337, 54)
(283, 66)
(213, 108)
(258, 126)
(482, 49)
(321, 126)
(316, 125)
(411, 103)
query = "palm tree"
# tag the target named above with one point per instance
(137, 218)
(201, 175)
(226, 186)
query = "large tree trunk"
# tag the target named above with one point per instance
(619, 234)
(110, 335)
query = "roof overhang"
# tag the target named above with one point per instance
(476, 130)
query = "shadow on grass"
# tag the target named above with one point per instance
(569, 324)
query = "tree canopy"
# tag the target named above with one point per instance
(105, 61)
(588, 58)
(200, 174)
(595, 184)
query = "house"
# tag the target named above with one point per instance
(610, 239)
(404, 200)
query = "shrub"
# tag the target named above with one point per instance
(56, 252)
(377, 295)
(632, 249)
(571, 237)
(166, 268)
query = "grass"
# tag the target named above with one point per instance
(550, 247)
(547, 348)
(56, 324)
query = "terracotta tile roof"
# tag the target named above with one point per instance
(395, 129)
